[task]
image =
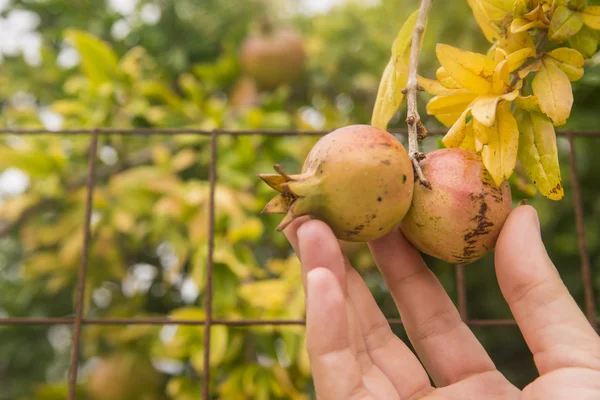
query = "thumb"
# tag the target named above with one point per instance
(520, 255)
(555, 329)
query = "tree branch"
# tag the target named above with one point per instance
(416, 129)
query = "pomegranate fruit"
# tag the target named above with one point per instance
(124, 376)
(273, 57)
(459, 220)
(357, 179)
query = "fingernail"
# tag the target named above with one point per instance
(536, 219)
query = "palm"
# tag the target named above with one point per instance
(355, 355)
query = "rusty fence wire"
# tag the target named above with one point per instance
(79, 319)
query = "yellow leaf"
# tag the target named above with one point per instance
(529, 103)
(516, 41)
(501, 78)
(538, 153)
(517, 58)
(448, 119)
(564, 24)
(456, 134)
(395, 76)
(435, 88)
(471, 70)
(484, 109)
(268, 294)
(482, 133)
(468, 142)
(585, 41)
(452, 104)
(389, 96)
(499, 54)
(403, 40)
(248, 229)
(591, 17)
(446, 79)
(567, 56)
(499, 155)
(570, 61)
(494, 10)
(523, 25)
(490, 30)
(552, 88)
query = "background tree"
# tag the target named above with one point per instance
(175, 64)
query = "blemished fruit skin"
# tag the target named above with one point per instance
(460, 219)
(357, 179)
(124, 376)
(273, 58)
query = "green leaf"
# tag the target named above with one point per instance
(35, 162)
(564, 24)
(585, 41)
(98, 60)
(538, 153)
(218, 348)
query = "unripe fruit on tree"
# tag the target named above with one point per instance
(273, 58)
(357, 179)
(124, 376)
(459, 220)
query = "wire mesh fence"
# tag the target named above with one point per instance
(79, 319)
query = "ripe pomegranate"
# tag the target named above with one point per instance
(460, 219)
(273, 57)
(357, 179)
(124, 376)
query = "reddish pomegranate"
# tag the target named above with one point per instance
(273, 57)
(357, 179)
(124, 376)
(459, 220)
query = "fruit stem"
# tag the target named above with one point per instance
(413, 119)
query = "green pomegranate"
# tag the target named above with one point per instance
(357, 179)
(459, 220)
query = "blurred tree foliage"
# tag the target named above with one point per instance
(175, 64)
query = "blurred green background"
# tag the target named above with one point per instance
(166, 63)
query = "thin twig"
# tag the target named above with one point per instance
(413, 119)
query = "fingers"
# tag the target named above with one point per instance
(447, 347)
(318, 240)
(554, 327)
(336, 372)
(384, 348)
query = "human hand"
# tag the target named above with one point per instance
(355, 355)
